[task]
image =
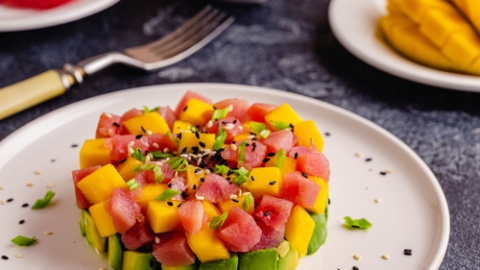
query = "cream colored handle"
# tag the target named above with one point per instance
(25, 94)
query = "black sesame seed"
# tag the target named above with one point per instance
(143, 129)
(266, 160)
(170, 203)
(4, 257)
(407, 251)
(252, 133)
(235, 201)
(224, 122)
(235, 121)
(116, 124)
(123, 160)
(184, 194)
(139, 136)
(355, 268)
(327, 133)
(25, 205)
(251, 177)
(10, 200)
(185, 108)
(180, 204)
(197, 135)
(194, 187)
(247, 144)
(169, 185)
(267, 213)
(179, 136)
(383, 173)
(329, 201)
(230, 172)
(184, 150)
(202, 179)
(296, 155)
(202, 144)
(271, 183)
(21, 221)
(74, 145)
(368, 159)
(254, 146)
(197, 170)
(304, 174)
(271, 154)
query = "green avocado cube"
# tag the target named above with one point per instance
(290, 258)
(319, 235)
(115, 252)
(134, 260)
(264, 259)
(183, 267)
(228, 264)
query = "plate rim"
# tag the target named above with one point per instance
(65, 13)
(363, 49)
(21, 133)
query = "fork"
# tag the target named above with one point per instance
(172, 48)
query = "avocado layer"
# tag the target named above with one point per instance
(319, 233)
(265, 259)
(133, 260)
(228, 264)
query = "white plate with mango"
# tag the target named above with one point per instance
(433, 42)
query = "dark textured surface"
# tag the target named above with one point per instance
(282, 44)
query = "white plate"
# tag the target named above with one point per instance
(17, 19)
(354, 23)
(412, 214)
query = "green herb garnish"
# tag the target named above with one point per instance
(167, 195)
(247, 201)
(221, 169)
(242, 176)
(42, 203)
(154, 167)
(147, 110)
(219, 139)
(360, 224)
(159, 154)
(279, 125)
(220, 113)
(132, 184)
(280, 157)
(217, 222)
(137, 154)
(241, 152)
(178, 163)
(260, 128)
(24, 241)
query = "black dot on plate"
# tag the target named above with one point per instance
(21, 221)
(4, 257)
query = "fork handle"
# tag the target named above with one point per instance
(37, 89)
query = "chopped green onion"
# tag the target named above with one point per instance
(221, 169)
(170, 135)
(168, 194)
(217, 222)
(242, 176)
(280, 158)
(361, 223)
(247, 201)
(24, 241)
(178, 163)
(132, 184)
(260, 128)
(241, 152)
(137, 154)
(151, 166)
(42, 203)
(160, 155)
(147, 110)
(220, 113)
(219, 139)
(279, 125)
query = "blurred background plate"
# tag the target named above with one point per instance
(17, 19)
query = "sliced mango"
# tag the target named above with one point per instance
(308, 134)
(163, 216)
(196, 112)
(94, 152)
(207, 246)
(99, 185)
(147, 123)
(264, 180)
(126, 168)
(189, 141)
(282, 114)
(299, 229)
(103, 220)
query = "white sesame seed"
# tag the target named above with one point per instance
(97, 251)
(233, 147)
(149, 132)
(130, 144)
(148, 158)
(155, 145)
(165, 150)
(107, 115)
(358, 155)
(233, 196)
(356, 257)
(207, 171)
(229, 126)
(230, 107)
(29, 184)
(130, 150)
(200, 198)
(385, 257)
(378, 200)
(18, 255)
(209, 124)
(48, 232)
(37, 172)
(50, 185)
(2, 187)
(3, 202)
(157, 240)
(199, 172)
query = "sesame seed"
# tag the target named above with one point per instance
(50, 185)
(266, 160)
(18, 255)
(271, 183)
(3, 202)
(48, 232)
(29, 184)
(200, 198)
(9, 200)
(149, 132)
(355, 268)
(304, 174)
(194, 187)
(25, 205)
(358, 155)
(157, 240)
(130, 150)
(116, 124)
(235, 201)
(37, 172)
(202, 144)
(271, 154)
(185, 108)
(170, 203)
(2, 187)
(230, 107)
(356, 257)
(21, 221)
(142, 128)
(267, 213)
(107, 115)
(385, 257)
(139, 136)
(377, 200)
(295, 156)
(233, 196)
(407, 252)
(74, 145)
(368, 159)
(130, 144)
(209, 124)
(233, 147)
(4, 257)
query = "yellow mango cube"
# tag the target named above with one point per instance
(439, 25)
(163, 216)
(299, 229)
(99, 185)
(179, 126)
(462, 48)
(289, 165)
(150, 191)
(308, 134)
(236, 202)
(264, 180)
(194, 176)
(195, 140)
(126, 168)
(147, 123)
(207, 246)
(94, 152)
(103, 220)
(196, 111)
(210, 210)
(283, 113)
(322, 197)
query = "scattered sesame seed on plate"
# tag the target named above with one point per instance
(48, 232)
(385, 257)
(29, 184)
(378, 200)
(356, 257)
(18, 255)
(50, 185)
(37, 172)
(2, 187)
